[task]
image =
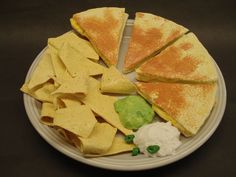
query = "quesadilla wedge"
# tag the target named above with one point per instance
(184, 61)
(104, 28)
(150, 34)
(187, 106)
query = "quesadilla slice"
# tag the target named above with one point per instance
(115, 82)
(187, 106)
(184, 61)
(104, 28)
(150, 34)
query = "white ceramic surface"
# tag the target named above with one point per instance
(126, 162)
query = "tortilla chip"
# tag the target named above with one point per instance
(68, 136)
(47, 113)
(118, 146)
(53, 49)
(100, 140)
(24, 88)
(76, 85)
(79, 44)
(103, 105)
(43, 72)
(115, 82)
(85, 48)
(57, 102)
(58, 41)
(68, 100)
(65, 100)
(78, 120)
(71, 102)
(62, 78)
(76, 63)
(44, 93)
(58, 66)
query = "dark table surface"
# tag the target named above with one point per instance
(24, 28)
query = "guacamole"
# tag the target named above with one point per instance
(134, 112)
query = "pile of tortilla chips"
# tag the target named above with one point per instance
(71, 98)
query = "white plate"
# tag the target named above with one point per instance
(126, 162)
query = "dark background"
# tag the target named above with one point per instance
(24, 28)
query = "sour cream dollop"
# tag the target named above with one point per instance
(162, 134)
